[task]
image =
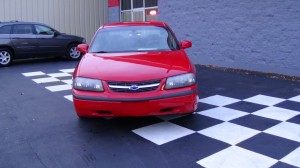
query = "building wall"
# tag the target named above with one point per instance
(114, 14)
(253, 35)
(113, 11)
(78, 17)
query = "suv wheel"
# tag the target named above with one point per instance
(73, 53)
(6, 57)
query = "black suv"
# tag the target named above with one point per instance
(21, 40)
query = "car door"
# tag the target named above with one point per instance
(49, 43)
(24, 41)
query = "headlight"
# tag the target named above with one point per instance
(88, 84)
(180, 81)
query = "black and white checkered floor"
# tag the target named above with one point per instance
(259, 131)
(54, 82)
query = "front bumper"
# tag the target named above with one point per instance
(176, 103)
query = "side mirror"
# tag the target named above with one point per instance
(56, 33)
(83, 48)
(185, 44)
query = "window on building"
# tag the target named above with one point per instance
(138, 10)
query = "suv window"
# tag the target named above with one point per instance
(5, 29)
(44, 30)
(22, 29)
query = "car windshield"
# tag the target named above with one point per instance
(133, 39)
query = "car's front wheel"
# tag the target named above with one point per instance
(73, 53)
(6, 57)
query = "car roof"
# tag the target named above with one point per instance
(151, 23)
(19, 22)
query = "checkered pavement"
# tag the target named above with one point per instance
(54, 82)
(259, 131)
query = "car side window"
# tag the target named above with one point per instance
(44, 30)
(22, 29)
(5, 29)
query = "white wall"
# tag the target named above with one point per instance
(77, 17)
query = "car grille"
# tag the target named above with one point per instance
(134, 87)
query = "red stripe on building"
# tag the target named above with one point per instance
(113, 3)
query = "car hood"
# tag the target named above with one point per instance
(135, 66)
(69, 36)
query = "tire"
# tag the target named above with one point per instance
(72, 53)
(6, 57)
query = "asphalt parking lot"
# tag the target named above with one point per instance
(242, 121)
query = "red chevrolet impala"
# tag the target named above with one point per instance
(134, 69)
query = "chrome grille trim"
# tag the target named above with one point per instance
(142, 86)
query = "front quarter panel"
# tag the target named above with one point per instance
(5, 40)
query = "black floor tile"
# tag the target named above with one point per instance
(255, 122)
(196, 122)
(204, 106)
(292, 105)
(269, 145)
(191, 149)
(282, 165)
(130, 123)
(246, 106)
(295, 119)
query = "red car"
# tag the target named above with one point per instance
(134, 69)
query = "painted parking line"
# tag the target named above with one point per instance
(57, 88)
(69, 97)
(68, 81)
(67, 70)
(55, 75)
(45, 80)
(37, 73)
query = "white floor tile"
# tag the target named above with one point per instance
(69, 81)
(236, 157)
(229, 133)
(29, 74)
(264, 100)
(67, 70)
(163, 132)
(69, 97)
(59, 88)
(218, 100)
(45, 80)
(285, 130)
(59, 75)
(296, 98)
(293, 158)
(223, 113)
(276, 113)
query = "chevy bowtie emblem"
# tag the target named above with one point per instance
(133, 87)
